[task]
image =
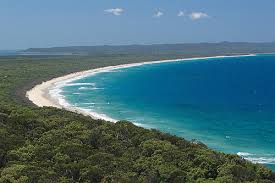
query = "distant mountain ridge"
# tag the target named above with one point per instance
(181, 49)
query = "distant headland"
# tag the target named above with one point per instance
(186, 49)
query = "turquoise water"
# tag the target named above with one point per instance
(226, 103)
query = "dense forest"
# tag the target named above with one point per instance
(53, 145)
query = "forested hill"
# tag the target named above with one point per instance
(40, 145)
(191, 49)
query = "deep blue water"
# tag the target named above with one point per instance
(227, 103)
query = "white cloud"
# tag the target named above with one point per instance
(158, 14)
(181, 14)
(198, 15)
(115, 11)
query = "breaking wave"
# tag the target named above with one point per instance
(258, 158)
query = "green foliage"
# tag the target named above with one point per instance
(52, 145)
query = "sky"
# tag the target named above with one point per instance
(48, 23)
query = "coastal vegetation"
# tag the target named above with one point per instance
(54, 145)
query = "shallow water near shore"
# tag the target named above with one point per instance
(227, 103)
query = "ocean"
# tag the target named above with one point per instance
(4, 53)
(9, 52)
(228, 103)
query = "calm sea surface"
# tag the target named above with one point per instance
(227, 103)
(4, 53)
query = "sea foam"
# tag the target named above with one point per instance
(80, 84)
(258, 158)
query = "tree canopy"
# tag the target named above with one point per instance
(54, 145)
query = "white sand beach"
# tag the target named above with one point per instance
(42, 96)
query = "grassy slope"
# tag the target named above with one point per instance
(51, 145)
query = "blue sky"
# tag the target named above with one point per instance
(47, 23)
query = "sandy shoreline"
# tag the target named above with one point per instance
(42, 94)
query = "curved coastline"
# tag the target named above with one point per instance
(47, 94)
